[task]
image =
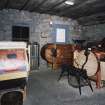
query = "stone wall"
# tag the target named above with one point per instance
(93, 32)
(39, 24)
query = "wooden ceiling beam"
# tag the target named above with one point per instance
(6, 4)
(39, 5)
(24, 5)
(90, 12)
(70, 9)
(57, 4)
(83, 4)
(2, 4)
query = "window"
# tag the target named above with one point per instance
(20, 33)
(60, 35)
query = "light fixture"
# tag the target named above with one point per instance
(51, 22)
(69, 2)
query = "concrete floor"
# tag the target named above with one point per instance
(44, 89)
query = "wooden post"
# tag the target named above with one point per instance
(98, 74)
(98, 78)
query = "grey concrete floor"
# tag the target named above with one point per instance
(44, 89)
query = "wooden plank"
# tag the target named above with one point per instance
(13, 75)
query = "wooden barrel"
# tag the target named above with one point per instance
(64, 53)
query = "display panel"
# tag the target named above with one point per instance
(12, 60)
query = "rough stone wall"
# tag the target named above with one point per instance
(94, 32)
(39, 25)
(10, 17)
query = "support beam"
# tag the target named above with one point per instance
(24, 5)
(84, 3)
(77, 6)
(2, 4)
(6, 4)
(90, 12)
(57, 4)
(39, 5)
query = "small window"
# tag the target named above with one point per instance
(20, 33)
(60, 35)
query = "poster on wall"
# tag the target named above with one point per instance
(12, 60)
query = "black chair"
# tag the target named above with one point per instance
(79, 74)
